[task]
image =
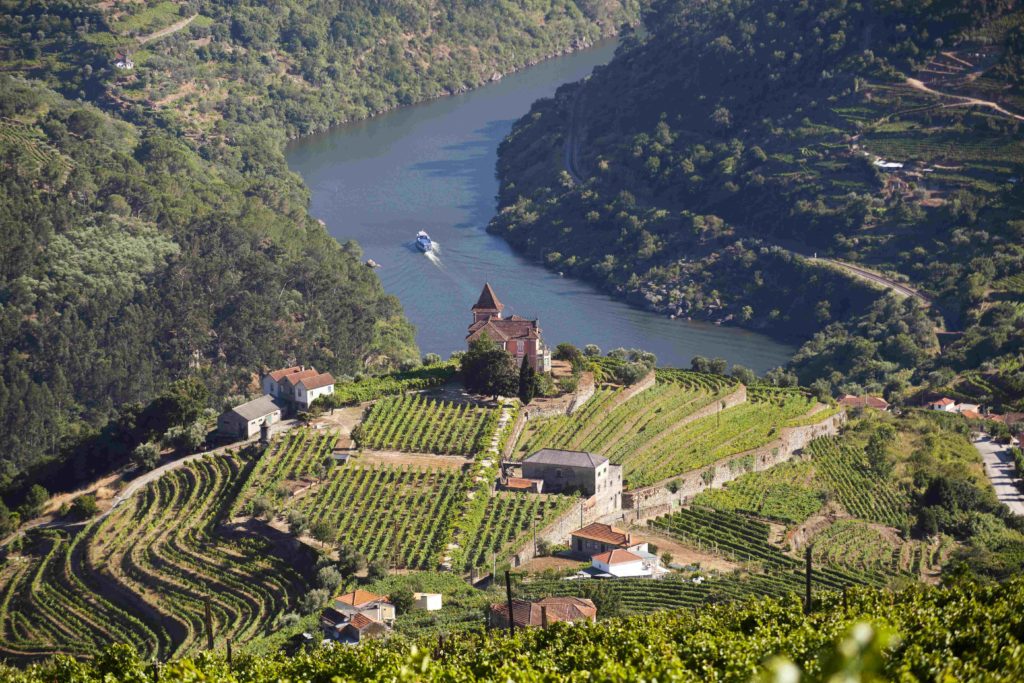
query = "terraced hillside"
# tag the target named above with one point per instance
(142, 575)
(660, 432)
(414, 423)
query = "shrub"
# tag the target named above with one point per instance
(146, 455)
(313, 600)
(85, 506)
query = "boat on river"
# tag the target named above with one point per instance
(423, 242)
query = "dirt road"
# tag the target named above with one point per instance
(173, 28)
(962, 101)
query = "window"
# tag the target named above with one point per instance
(519, 347)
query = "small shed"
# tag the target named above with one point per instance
(431, 602)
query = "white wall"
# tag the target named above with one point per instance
(635, 568)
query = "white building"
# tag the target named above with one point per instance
(298, 385)
(430, 602)
(619, 563)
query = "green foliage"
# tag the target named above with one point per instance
(372, 388)
(415, 423)
(487, 369)
(84, 506)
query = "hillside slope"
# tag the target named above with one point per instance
(151, 227)
(701, 171)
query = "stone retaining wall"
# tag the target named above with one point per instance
(653, 501)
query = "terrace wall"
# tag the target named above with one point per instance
(656, 500)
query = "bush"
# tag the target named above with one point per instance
(146, 455)
(402, 599)
(322, 531)
(329, 578)
(85, 506)
(566, 351)
(34, 502)
(297, 522)
(591, 350)
(313, 600)
(431, 359)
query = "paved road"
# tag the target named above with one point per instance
(1001, 472)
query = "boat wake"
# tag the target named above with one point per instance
(433, 255)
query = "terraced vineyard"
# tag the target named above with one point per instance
(642, 596)
(399, 514)
(507, 522)
(863, 492)
(414, 423)
(788, 492)
(33, 149)
(746, 540)
(655, 456)
(298, 454)
(856, 544)
(157, 556)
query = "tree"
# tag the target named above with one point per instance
(146, 455)
(262, 506)
(431, 359)
(323, 531)
(313, 600)
(527, 381)
(821, 388)
(349, 562)
(591, 350)
(566, 351)
(744, 375)
(329, 578)
(84, 506)
(297, 522)
(877, 449)
(402, 599)
(35, 499)
(9, 521)
(377, 569)
(488, 369)
(718, 366)
(700, 364)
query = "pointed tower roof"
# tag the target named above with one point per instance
(488, 300)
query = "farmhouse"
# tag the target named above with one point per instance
(244, 421)
(349, 628)
(945, 404)
(599, 538)
(526, 614)
(591, 474)
(298, 385)
(376, 607)
(519, 336)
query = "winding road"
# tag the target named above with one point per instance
(1001, 471)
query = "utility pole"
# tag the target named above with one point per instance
(807, 585)
(508, 596)
(208, 612)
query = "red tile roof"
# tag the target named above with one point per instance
(617, 556)
(488, 300)
(943, 402)
(526, 613)
(360, 621)
(278, 375)
(321, 380)
(864, 402)
(520, 483)
(296, 377)
(359, 598)
(602, 533)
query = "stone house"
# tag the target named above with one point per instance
(568, 471)
(298, 385)
(244, 421)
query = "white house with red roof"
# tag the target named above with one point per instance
(621, 563)
(519, 336)
(945, 404)
(298, 385)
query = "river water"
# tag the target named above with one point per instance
(431, 167)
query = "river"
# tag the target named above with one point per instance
(431, 167)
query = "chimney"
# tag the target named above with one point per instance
(543, 616)
(629, 539)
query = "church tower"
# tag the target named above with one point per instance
(487, 306)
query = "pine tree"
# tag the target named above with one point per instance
(527, 381)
